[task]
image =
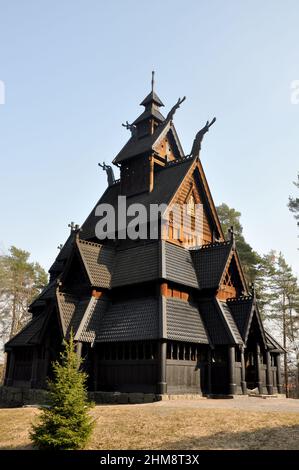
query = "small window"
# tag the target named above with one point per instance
(191, 205)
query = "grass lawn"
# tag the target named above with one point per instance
(160, 427)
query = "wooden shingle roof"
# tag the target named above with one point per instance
(30, 334)
(167, 181)
(71, 311)
(184, 322)
(98, 261)
(219, 324)
(147, 144)
(136, 264)
(209, 263)
(60, 261)
(174, 256)
(241, 309)
(130, 321)
(244, 310)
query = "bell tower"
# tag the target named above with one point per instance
(149, 120)
(134, 158)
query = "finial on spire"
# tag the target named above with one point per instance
(153, 80)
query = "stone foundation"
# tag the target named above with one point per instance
(17, 396)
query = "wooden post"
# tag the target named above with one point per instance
(209, 384)
(46, 364)
(151, 175)
(258, 369)
(79, 351)
(11, 368)
(243, 373)
(269, 383)
(95, 369)
(33, 380)
(162, 384)
(231, 370)
(278, 374)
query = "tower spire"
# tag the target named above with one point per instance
(153, 80)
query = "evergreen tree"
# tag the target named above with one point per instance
(65, 425)
(20, 282)
(294, 202)
(281, 295)
(249, 258)
(264, 278)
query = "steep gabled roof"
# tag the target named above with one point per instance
(147, 144)
(109, 196)
(210, 262)
(148, 113)
(91, 320)
(167, 181)
(219, 323)
(206, 196)
(47, 293)
(71, 311)
(241, 309)
(152, 97)
(244, 309)
(60, 261)
(30, 334)
(174, 256)
(98, 261)
(230, 323)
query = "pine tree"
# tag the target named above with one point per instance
(20, 282)
(294, 203)
(282, 310)
(250, 260)
(65, 424)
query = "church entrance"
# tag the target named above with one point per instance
(219, 371)
(250, 370)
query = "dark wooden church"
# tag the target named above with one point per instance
(171, 314)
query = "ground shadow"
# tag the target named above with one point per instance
(276, 438)
(23, 447)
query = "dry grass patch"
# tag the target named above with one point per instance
(159, 427)
(15, 424)
(150, 427)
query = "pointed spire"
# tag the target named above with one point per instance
(153, 80)
(151, 117)
(152, 98)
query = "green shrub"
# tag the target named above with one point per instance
(65, 424)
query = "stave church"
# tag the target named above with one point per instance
(170, 314)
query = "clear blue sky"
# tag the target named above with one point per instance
(75, 70)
